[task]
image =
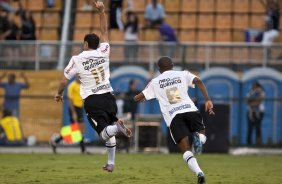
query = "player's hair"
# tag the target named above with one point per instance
(7, 112)
(165, 62)
(131, 82)
(93, 40)
(258, 84)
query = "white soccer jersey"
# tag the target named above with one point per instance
(93, 70)
(171, 90)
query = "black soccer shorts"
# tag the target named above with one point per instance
(184, 124)
(101, 110)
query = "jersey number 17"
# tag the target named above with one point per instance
(97, 73)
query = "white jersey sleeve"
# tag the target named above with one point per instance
(189, 78)
(149, 92)
(71, 69)
(104, 49)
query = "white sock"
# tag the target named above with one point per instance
(111, 149)
(111, 155)
(192, 162)
(109, 132)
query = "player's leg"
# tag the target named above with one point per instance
(180, 132)
(54, 141)
(111, 150)
(107, 134)
(258, 121)
(188, 156)
(103, 122)
(79, 113)
(190, 160)
(196, 125)
(101, 112)
(250, 119)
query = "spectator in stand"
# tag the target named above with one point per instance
(130, 105)
(50, 3)
(272, 8)
(12, 92)
(168, 39)
(255, 99)
(10, 131)
(11, 33)
(131, 36)
(11, 30)
(154, 14)
(27, 31)
(3, 23)
(116, 14)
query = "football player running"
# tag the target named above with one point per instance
(92, 68)
(180, 113)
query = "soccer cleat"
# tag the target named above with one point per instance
(197, 144)
(201, 178)
(122, 129)
(108, 167)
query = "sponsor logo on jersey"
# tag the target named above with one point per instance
(104, 86)
(181, 107)
(70, 68)
(169, 82)
(91, 63)
(105, 49)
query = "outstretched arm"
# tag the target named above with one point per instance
(203, 89)
(62, 86)
(103, 20)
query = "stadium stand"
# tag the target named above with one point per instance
(231, 17)
(46, 19)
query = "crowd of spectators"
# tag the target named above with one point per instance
(16, 24)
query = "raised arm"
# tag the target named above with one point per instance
(103, 20)
(25, 80)
(208, 103)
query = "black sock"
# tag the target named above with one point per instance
(82, 145)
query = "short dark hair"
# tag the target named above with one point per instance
(92, 40)
(7, 112)
(131, 82)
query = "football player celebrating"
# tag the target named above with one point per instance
(92, 68)
(180, 113)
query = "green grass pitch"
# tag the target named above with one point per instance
(137, 169)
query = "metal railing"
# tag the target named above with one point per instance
(196, 56)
